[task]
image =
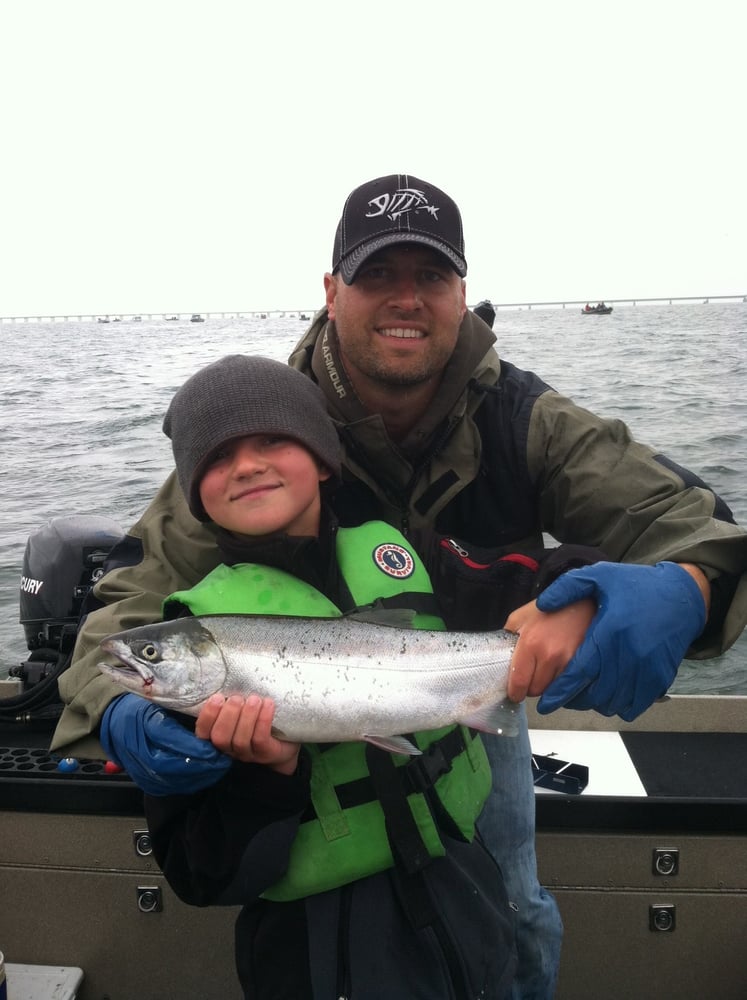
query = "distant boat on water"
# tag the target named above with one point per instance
(600, 309)
(196, 318)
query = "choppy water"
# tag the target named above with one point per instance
(82, 405)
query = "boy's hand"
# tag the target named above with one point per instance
(546, 645)
(242, 729)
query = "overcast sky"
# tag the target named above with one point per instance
(173, 155)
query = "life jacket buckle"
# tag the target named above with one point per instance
(424, 771)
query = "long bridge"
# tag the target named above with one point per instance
(665, 299)
(307, 314)
(303, 314)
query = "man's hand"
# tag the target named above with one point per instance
(160, 754)
(242, 728)
(647, 617)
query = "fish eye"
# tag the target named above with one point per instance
(150, 652)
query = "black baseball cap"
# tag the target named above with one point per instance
(398, 208)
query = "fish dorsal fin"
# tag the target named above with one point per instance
(378, 615)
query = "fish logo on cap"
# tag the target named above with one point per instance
(403, 200)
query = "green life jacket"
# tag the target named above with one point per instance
(368, 807)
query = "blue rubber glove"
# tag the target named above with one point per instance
(647, 617)
(160, 754)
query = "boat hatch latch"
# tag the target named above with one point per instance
(149, 899)
(559, 775)
(661, 917)
(142, 843)
(666, 861)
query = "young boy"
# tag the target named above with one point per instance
(359, 874)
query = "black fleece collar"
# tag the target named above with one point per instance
(310, 559)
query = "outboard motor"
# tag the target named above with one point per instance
(62, 561)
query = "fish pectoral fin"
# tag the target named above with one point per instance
(394, 744)
(500, 719)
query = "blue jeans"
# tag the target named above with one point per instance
(507, 828)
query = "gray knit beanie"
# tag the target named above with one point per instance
(241, 395)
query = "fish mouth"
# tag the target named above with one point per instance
(128, 666)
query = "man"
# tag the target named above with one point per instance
(486, 311)
(436, 430)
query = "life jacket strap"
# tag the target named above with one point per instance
(407, 846)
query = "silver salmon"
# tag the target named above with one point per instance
(332, 679)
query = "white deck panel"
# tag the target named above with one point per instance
(611, 771)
